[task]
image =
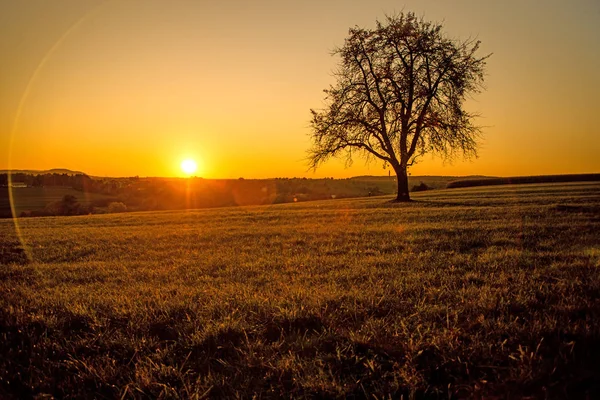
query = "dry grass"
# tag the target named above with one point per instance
(468, 292)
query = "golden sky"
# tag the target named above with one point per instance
(133, 87)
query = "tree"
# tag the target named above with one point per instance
(399, 94)
(117, 207)
(69, 205)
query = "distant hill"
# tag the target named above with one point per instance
(40, 172)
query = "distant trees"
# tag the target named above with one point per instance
(116, 207)
(420, 187)
(128, 194)
(69, 205)
(399, 94)
(523, 180)
(78, 181)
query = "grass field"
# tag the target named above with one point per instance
(477, 292)
(36, 198)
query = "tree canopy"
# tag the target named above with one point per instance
(399, 93)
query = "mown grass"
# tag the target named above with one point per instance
(461, 293)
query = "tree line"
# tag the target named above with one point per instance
(145, 194)
(79, 181)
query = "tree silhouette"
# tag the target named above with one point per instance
(68, 205)
(399, 94)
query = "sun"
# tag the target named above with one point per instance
(189, 166)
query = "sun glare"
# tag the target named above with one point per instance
(189, 166)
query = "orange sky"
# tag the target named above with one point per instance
(121, 88)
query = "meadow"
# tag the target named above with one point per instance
(478, 292)
(153, 194)
(36, 198)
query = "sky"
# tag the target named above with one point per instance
(133, 87)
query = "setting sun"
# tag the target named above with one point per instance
(189, 166)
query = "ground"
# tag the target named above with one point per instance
(463, 292)
(36, 198)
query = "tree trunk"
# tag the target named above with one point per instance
(402, 177)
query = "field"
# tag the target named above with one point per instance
(180, 193)
(36, 198)
(488, 181)
(476, 292)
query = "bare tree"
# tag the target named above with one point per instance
(399, 94)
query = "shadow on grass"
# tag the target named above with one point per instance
(12, 253)
(420, 203)
(571, 208)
